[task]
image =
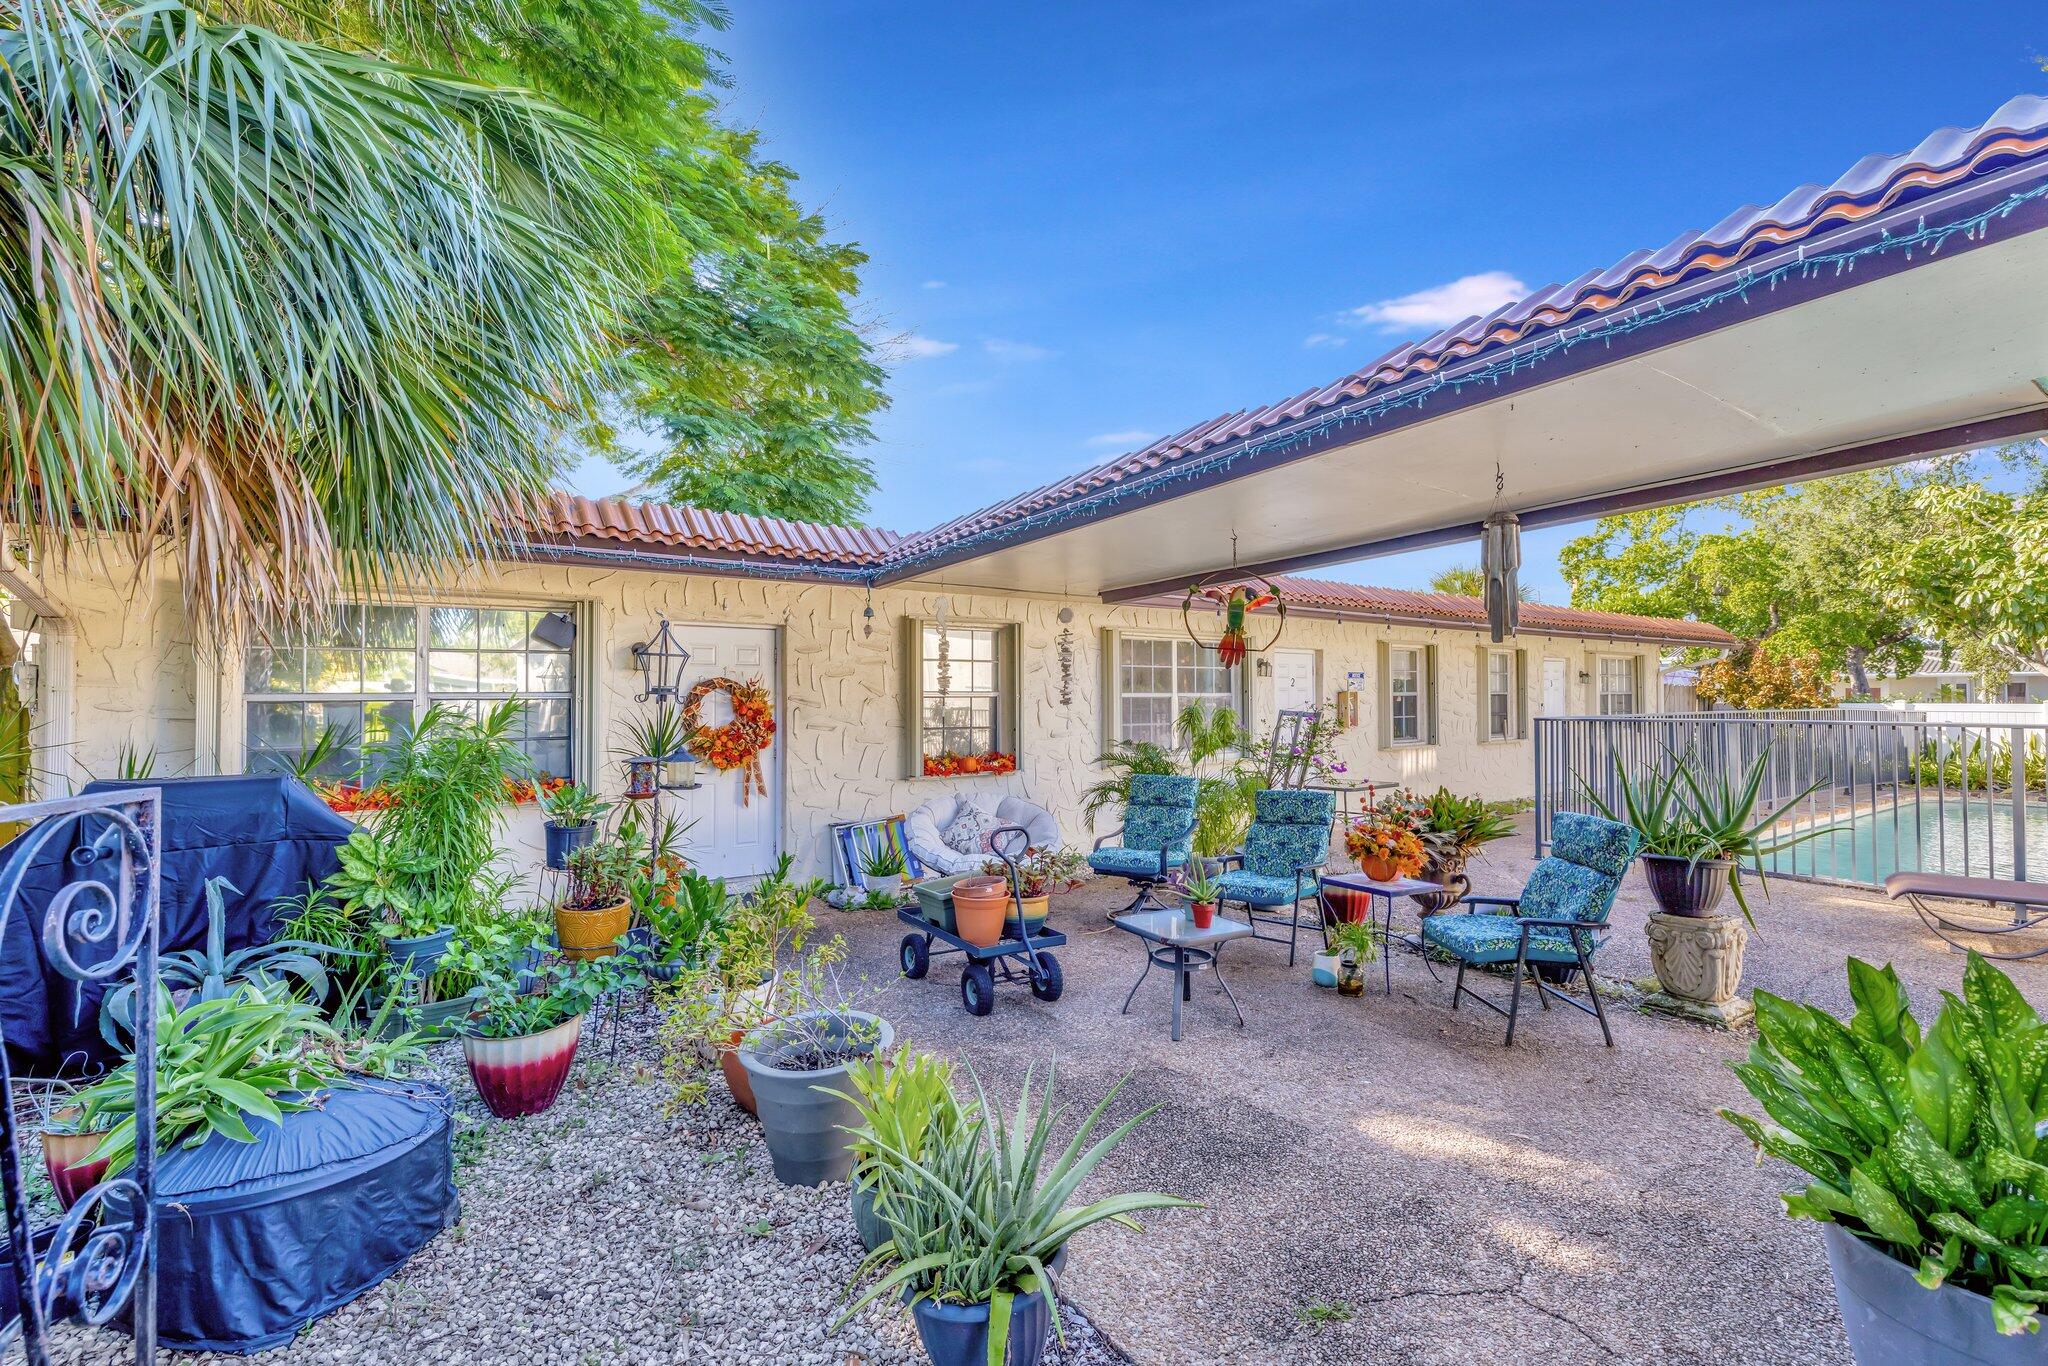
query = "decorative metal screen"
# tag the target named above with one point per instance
(101, 924)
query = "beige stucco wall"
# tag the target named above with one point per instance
(138, 678)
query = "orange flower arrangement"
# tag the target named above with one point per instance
(949, 764)
(353, 799)
(521, 792)
(1379, 842)
(739, 742)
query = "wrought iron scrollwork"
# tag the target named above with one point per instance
(101, 922)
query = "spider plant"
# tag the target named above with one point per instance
(979, 1215)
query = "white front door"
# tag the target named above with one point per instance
(1554, 703)
(1294, 680)
(731, 833)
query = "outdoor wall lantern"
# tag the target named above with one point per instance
(1265, 668)
(1585, 677)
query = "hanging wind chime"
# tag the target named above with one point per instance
(1500, 563)
(1235, 601)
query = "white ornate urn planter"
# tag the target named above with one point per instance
(1698, 958)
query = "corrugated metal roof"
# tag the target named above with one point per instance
(1451, 609)
(1876, 183)
(687, 528)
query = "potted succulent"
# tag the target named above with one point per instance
(528, 1021)
(882, 871)
(596, 909)
(572, 812)
(1924, 1150)
(1452, 829)
(1202, 892)
(978, 1225)
(1039, 873)
(795, 1065)
(1356, 943)
(905, 1103)
(1384, 849)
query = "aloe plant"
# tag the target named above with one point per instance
(979, 1215)
(1928, 1145)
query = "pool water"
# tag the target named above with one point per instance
(1972, 838)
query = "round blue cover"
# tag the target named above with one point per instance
(258, 1239)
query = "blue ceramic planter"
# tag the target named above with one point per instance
(957, 1334)
(561, 839)
(420, 956)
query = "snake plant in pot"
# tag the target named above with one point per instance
(977, 1223)
(1928, 1164)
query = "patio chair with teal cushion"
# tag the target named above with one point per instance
(1559, 920)
(1278, 867)
(1153, 841)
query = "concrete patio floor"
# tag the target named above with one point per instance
(1384, 1181)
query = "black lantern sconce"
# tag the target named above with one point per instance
(660, 663)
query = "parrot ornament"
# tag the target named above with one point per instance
(1237, 603)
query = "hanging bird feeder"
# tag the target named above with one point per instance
(1235, 602)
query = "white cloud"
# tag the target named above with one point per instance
(934, 284)
(1006, 350)
(1323, 339)
(910, 346)
(1123, 441)
(1442, 305)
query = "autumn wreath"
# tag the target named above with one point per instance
(739, 742)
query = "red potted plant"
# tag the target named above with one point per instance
(523, 1043)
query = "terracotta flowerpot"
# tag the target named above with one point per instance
(590, 934)
(979, 905)
(64, 1159)
(1203, 912)
(736, 1075)
(523, 1076)
(1378, 869)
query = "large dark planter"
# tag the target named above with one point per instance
(641, 945)
(868, 1224)
(419, 956)
(957, 1334)
(561, 839)
(806, 1128)
(1683, 888)
(1451, 873)
(1893, 1320)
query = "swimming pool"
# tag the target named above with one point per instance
(1972, 838)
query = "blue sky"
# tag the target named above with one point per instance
(1092, 223)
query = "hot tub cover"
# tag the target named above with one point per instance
(259, 1239)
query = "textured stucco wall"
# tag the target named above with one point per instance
(139, 678)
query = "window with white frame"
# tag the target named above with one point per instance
(1617, 685)
(1156, 680)
(1500, 694)
(377, 668)
(1405, 683)
(962, 698)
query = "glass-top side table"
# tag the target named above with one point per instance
(1173, 940)
(1381, 893)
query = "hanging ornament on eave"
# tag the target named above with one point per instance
(1500, 562)
(1236, 602)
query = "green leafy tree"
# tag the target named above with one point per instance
(1976, 575)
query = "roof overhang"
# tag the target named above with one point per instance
(1911, 333)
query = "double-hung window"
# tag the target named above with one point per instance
(1500, 694)
(962, 701)
(1617, 685)
(1405, 683)
(375, 669)
(1156, 680)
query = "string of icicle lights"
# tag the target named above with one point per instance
(1365, 411)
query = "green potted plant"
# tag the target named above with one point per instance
(657, 743)
(1202, 892)
(384, 882)
(882, 870)
(905, 1103)
(67, 1141)
(528, 1021)
(1356, 943)
(1928, 1169)
(795, 1062)
(978, 1223)
(1452, 829)
(572, 813)
(680, 919)
(597, 907)
(1040, 872)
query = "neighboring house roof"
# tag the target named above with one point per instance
(738, 543)
(722, 534)
(2018, 131)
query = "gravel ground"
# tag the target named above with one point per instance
(602, 1232)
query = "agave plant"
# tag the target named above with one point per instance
(1928, 1145)
(977, 1218)
(213, 972)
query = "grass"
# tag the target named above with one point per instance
(1320, 1314)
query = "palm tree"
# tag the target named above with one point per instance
(304, 318)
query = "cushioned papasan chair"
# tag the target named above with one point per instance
(927, 828)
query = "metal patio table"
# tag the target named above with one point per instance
(1381, 893)
(1173, 941)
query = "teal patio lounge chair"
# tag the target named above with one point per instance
(1559, 919)
(1280, 864)
(1153, 841)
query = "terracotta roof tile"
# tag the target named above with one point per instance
(1451, 609)
(687, 528)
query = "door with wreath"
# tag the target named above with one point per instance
(737, 812)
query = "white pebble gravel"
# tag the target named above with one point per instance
(603, 1232)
